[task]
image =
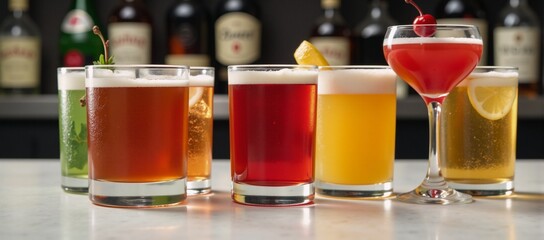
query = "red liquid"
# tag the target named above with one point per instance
(137, 134)
(272, 133)
(433, 69)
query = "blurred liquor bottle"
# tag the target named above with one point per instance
(331, 35)
(20, 51)
(470, 12)
(237, 31)
(129, 33)
(78, 45)
(187, 26)
(517, 43)
(369, 34)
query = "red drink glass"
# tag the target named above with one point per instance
(272, 133)
(137, 134)
(433, 66)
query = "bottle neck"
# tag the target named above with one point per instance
(378, 8)
(517, 3)
(18, 7)
(330, 7)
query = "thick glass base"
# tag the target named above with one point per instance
(354, 191)
(75, 185)
(496, 189)
(138, 195)
(273, 195)
(445, 196)
(198, 187)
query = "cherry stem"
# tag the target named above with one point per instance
(97, 32)
(415, 5)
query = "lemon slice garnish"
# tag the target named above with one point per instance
(195, 94)
(492, 97)
(307, 54)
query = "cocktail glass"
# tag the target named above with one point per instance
(433, 66)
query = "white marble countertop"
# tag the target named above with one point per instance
(33, 206)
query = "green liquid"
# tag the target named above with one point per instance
(73, 134)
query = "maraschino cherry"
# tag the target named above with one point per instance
(422, 31)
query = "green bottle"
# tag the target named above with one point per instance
(78, 45)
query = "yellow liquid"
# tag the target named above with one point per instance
(355, 142)
(200, 137)
(476, 150)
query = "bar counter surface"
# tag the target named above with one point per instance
(33, 206)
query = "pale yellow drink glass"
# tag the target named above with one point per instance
(355, 144)
(479, 124)
(199, 164)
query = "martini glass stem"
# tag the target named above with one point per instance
(434, 179)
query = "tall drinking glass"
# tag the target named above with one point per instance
(272, 133)
(479, 132)
(199, 163)
(73, 129)
(433, 66)
(137, 126)
(355, 145)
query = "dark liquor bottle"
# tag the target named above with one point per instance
(78, 45)
(237, 30)
(19, 51)
(468, 12)
(129, 33)
(331, 35)
(369, 34)
(187, 23)
(517, 43)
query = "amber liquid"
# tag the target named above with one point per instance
(476, 150)
(200, 137)
(137, 134)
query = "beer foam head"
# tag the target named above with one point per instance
(71, 80)
(493, 78)
(201, 81)
(357, 81)
(282, 76)
(127, 78)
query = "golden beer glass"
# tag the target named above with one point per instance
(355, 144)
(199, 164)
(479, 124)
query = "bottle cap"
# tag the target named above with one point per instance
(18, 5)
(330, 3)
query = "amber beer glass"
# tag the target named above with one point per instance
(137, 134)
(199, 165)
(272, 133)
(479, 132)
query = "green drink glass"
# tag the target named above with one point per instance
(73, 129)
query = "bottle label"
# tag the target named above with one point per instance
(237, 38)
(518, 47)
(74, 58)
(19, 62)
(77, 21)
(130, 43)
(188, 59)
(335, 49)
(482, 26)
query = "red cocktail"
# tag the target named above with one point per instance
(272, 133)
(433, 64)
